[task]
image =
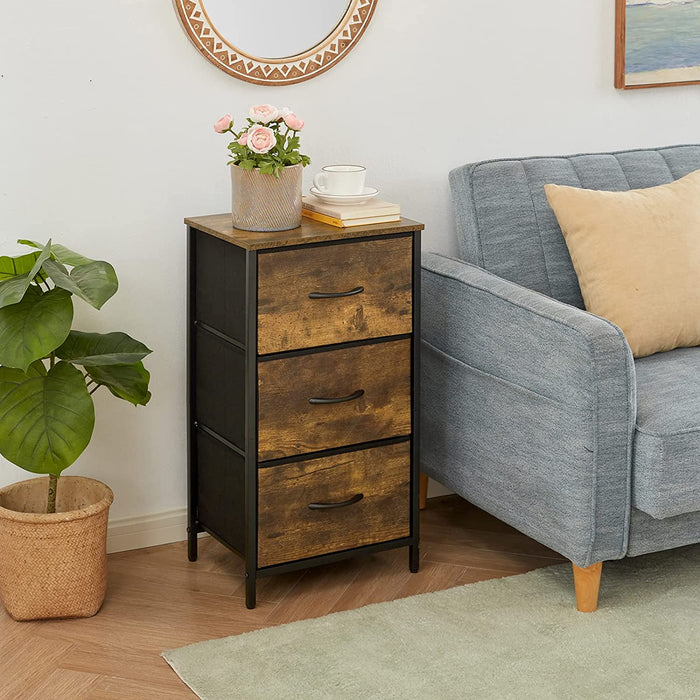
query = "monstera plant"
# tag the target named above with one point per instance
(48, 371)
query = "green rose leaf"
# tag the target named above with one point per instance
(46, 420)
(60, 252)
(12, 291)
(128, 382)
(95, 282)
(34, 327)
(93, 349)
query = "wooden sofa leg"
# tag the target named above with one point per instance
(587, 585)
(423, 490)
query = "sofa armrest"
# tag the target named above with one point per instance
(528, 409)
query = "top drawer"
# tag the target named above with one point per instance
(377, 274)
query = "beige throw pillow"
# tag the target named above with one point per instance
(637, 257)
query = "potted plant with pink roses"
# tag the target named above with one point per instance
(266, 167)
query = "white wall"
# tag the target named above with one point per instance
(106, 144)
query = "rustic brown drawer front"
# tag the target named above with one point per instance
(288, 319)
(289, 529)
(368, 389)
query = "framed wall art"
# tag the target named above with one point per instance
(657, 43)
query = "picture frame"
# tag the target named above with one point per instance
(657, 43)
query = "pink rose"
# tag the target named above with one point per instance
(293, 122)
(223, 124)
(263, 114)
(243, 140)
(261, 139)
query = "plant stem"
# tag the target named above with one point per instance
(43, 279)
(52, 360)
(96, 388)
(53, 486)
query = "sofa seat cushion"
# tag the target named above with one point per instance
(666, 467)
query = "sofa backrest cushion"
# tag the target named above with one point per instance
(506, 226)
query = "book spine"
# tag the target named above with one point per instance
(322, 218)
(351, 212)
(371, 220)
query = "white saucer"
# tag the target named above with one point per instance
(367, 194)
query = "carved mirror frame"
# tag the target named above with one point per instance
(274, 71)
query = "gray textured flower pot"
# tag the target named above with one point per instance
(263, 202)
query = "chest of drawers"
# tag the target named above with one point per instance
(302, 392)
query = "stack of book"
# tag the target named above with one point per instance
(345, 215)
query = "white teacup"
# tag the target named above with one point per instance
(341, 179)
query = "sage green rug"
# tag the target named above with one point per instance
(516, 637)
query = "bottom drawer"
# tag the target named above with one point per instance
(368, 491)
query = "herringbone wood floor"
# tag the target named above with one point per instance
(157, 600)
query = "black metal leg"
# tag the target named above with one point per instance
(250, 591)
(414, 552)
(192, 543)
(413, 558)
(192, 524)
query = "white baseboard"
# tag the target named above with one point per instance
(147, 530)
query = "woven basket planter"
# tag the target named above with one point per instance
(53, 565)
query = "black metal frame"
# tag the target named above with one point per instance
(252, 572)
(251, 431)
(414, 549)
(193, 528)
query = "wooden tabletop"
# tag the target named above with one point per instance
(310, 231)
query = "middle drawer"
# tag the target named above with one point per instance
(332, 399)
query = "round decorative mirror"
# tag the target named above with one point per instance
(287, 43)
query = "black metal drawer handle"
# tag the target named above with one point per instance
(340, 399)
(335, 295)
(328, 506)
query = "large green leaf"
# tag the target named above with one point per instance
(46, 421)
(15, 265)
(34, 327)
(102, 349)
(95, 282)
(13, 290)
(60, 252)
(128, 382)
(36, 369)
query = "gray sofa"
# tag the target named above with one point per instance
(534, 409)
